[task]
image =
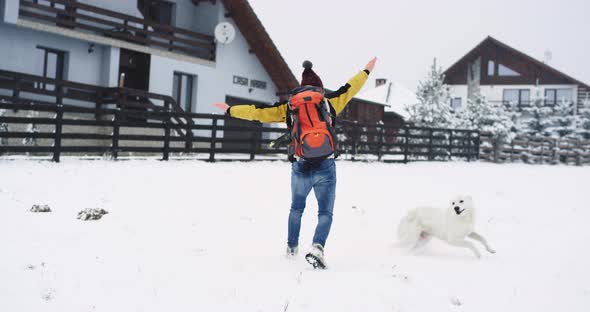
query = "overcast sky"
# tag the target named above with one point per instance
(339, 37)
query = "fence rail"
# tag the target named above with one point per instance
(65, 129)
(535, 150)
(75, 15)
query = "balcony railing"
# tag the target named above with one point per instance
(74, 15)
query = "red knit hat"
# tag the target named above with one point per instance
(309, 77)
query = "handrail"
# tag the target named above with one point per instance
(97, 95)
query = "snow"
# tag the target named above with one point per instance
(198, 236)
(393, 94)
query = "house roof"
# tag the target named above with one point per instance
(261, 44)
(394, 95)
(489, 40)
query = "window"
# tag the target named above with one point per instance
(505, 71)
(517, 97)
(456, 103)
(157, 11)
(52, 65)
(491, 68)
(554, 96)
(182, 90)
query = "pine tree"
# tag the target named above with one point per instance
(434, 109)
(487, 117)
(563, 121)
(583, 128)
(536, 119)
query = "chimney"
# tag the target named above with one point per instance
(380, 82)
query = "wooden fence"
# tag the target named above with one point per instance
(535, 150)
(46, 116)
(60, 129)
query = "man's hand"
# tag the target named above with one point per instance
(222, 106)
(371, 64)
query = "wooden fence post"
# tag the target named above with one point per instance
(355, 138)
(115, 144)
(57, 135)
(577, 151)
(451, 144)
(16, 91)
(166, 137)
(213, 139)
(188, 135)
(188, 144)
(495, 149)
(380, 145)
(255, 136)
(98, 104)
(405, 145)
(478, 144)
(60, 95)
(430, 151)
(554, 152)
(542, 155)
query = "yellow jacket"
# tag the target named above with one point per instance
(278, 112)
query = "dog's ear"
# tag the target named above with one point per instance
(468, 197)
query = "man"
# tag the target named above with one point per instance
(319, 175)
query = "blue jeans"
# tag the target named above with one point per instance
(322, 178)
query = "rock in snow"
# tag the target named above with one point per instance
(40, 208)
(91, 214)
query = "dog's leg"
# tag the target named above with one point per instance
(482, 240)
(466, 244)
(422, 240)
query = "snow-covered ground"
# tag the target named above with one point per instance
(197, 236)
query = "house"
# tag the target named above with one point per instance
(387, 100)
(162, 47)
(394, 97)
(506, 75)
(138, 53)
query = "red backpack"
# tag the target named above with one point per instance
(310, 123)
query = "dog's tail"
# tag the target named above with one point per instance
(408, 231)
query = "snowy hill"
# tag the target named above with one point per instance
(197, 236)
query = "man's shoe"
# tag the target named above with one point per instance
(316, 257)
(292, 251)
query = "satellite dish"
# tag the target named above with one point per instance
(225, 32)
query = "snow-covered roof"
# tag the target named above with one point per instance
(394, 95)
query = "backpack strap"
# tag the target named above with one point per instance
(330, 115)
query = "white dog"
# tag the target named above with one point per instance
(452, 224)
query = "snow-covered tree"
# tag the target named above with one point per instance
(31, 128)
(479, 114)
(3, 128)
(434, 109)
(536, 119)
(583, 128)
(563, 121)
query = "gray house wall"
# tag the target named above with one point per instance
(213, 80)
(9, 10)
(20, 53)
